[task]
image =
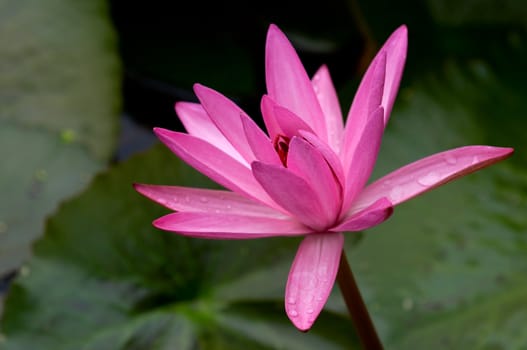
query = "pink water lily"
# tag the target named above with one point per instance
(308, 174)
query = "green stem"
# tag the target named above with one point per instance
(356, 307)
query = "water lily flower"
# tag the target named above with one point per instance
(307, 175)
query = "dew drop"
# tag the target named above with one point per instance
(309, 311)
(203, 199)
(396, 193)
(309, 281)
(293, 313)
(450, 159)
(229, 206)
(429, 179)
(291, 300)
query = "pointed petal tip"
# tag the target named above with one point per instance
(399, 35)
(162, 134)
(402, 30)
(200, 90)
(138, 188)
(159, 223)
(198, 86)
(273, 28)
(506, 151)
(142, 189)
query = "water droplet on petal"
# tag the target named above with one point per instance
(310, 281)
(309, 311)
(429, 179)
(203, 199)
(229, 206)
(293, 313)
(450, 159)
(396, 193)
(291, 300)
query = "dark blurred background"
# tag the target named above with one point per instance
(166, 46)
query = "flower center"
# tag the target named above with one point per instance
(281, 146)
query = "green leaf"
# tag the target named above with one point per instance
(112, 281)
(59, 98)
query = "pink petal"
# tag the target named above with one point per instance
(260, 144)
(226, 115)
(364, 157)
(328, 99)
(395, 47)
(367, 99)
(289, 122)
(311, 277)
(214, 163)
(292, 193)
(280, 120)
(330, 156)
(430, 172)
(200, 200)
(228, 226)
(197, 123)
(267, 106)
(307, 162)
(288, 83)
(371, 216)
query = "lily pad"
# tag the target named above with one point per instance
(125, 285)
(59, 97)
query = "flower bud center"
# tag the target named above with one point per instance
(281, 146)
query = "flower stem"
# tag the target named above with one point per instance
(356, 307)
